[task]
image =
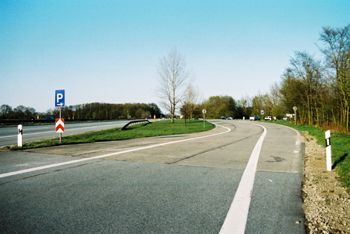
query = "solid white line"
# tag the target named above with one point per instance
(108, 155)
(237, 215)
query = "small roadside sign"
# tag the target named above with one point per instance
(60, 125)
(262, 112)
(204, 111)
(59, 98)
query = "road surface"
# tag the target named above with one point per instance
(169, 184)
(8, 135)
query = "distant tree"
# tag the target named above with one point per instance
(185, 111)
(190, 100)
(243, 109)
(303, 86)
(223, 110)
(218, 106)
(5, 112)
(275, 98)
(30, 113)
(19, 112)
(154, 110)
(257, 104)
(172, 78)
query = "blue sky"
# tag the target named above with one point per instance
(109, 51)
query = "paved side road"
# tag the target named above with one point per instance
(8, 135)
(185, 187)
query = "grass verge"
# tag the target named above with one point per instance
(340, 149)
(135, 131)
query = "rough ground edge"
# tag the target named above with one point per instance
(325, 202)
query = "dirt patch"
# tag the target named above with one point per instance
(326, 203)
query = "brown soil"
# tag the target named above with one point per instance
(326, 202)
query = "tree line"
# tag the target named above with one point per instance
(85, 111)
(319, 88)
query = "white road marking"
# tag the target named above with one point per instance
(108, 155)
(237, 215)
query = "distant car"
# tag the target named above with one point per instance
(253, 118)
(274, 118)
(285, 118)
(49, 118)
(229, 118)
(223, 117)
(268, 118)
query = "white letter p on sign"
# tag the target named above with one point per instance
(59, 97)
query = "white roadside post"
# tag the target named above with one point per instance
(328, 150)
(20, 136)
(204, 111)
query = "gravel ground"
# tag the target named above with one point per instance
(326, 203)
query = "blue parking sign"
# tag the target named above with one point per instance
(59, 98)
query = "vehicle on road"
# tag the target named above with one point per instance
(285, 118)
(269, 118)
(49, 118)
(223, 117)
(253, 118)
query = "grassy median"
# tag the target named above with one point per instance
(340, 149)
(159, 128)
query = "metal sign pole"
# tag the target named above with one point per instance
(60, 134)
(60, 102)
(204, 111)
(295, 115)
(204, 119)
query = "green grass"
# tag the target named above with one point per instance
(134, 131)
(340, 143)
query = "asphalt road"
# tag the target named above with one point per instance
(170, 184)
(8, 135)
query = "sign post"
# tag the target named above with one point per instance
(204, 111)
(60, 102)
(295, 115)
(60, 127)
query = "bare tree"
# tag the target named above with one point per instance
(337, 42)
(191, 96)
(172, 78)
